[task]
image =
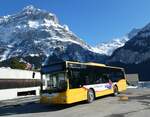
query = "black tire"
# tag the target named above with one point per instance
(116, 92)
(90, 96)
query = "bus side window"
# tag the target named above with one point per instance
(116, 76)
(105, 78)
(98, 78)
(75, 79)
(87, 82)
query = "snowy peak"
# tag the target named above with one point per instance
(30, 8)
(35, 32)
(34, 13)
(29, 13)
(108, 48)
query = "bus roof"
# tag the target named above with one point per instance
(94, 64)
(65, 64)
(88, 63)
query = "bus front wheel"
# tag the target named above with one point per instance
(90, 96)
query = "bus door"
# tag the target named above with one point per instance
(76, 81)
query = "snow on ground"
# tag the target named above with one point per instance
(130, 87)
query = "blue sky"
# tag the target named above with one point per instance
(94, 21)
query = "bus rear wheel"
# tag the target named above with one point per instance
(116, 92)
(90, 96)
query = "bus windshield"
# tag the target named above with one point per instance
(56, 82)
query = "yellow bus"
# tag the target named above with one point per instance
(69, 82)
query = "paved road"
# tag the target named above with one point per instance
(19, 101)
(138, 105)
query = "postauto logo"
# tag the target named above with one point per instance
(108, 86)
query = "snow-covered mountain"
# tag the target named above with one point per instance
(37, 33)
(134, 56)
(136, 50)
(108, 48)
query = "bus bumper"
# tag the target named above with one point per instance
(53, 99)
